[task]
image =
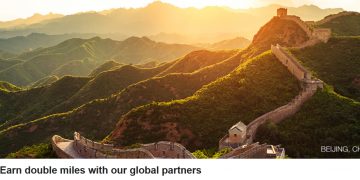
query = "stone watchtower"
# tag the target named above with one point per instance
(281, 12)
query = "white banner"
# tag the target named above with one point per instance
(59, 169)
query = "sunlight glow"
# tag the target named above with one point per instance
(12, 9)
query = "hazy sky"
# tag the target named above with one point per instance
(12, 9)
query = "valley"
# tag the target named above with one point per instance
(132, 93)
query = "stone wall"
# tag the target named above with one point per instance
(90, 149)
(283, 112)
(309, 88)
(254, 150)
(301, 23)
(55, 140)
(165, 149)
(86, 148)
(322, 34)
(291, 63)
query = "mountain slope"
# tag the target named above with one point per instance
(279, 31)
(348, 25)
(197, 60)
(160, 17)
(44, 81)
(4, 64)
(20, 44)
(105, 84)
(249, 91)
(97, 118)
(108, 65)
(327, 119)
(235, 43)
(7, 87)
(6, 55)
(36, 18)
(75, 68)
(43, 62)
(336, 62)
(103, 113)
(27, 103)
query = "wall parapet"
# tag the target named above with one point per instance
(315, 35)
(55, 140)
(277, 115)
(291, 63)
(86, 148)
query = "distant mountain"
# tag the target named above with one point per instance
(192, 99)
(114, 106)
(7, 87)
(6, 55)
(235, 43)
(33, 41)
(199, 121)
(105, 113)
(36, 18)
(160, 17)
(44, 81)
(4, 64)
(108, 65)
(306, 12)
(80, 56)
(203, 38)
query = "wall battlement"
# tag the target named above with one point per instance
(277, 115)
(82, 147)
(291, 63)
(315, 35)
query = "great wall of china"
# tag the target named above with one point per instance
(81, 147)
(309, 87)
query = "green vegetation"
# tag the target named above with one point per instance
(107, 83)
(7, 87)
(108, 65)
(201, 120)
(22, 106)
(279, 31)
(235, 43)
(210, 153)
(75, 68)
(20, 44)
(6, 55)
(84, 55)
(97, 118)
(336, 62)
(327, 119)
(8, 63)
(44, 81)
(197, 60)
(34, 151)
(344, 25)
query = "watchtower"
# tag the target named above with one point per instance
(281, 12)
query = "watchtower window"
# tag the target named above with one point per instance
(235, 135)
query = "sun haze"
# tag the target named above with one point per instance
(12, 9)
